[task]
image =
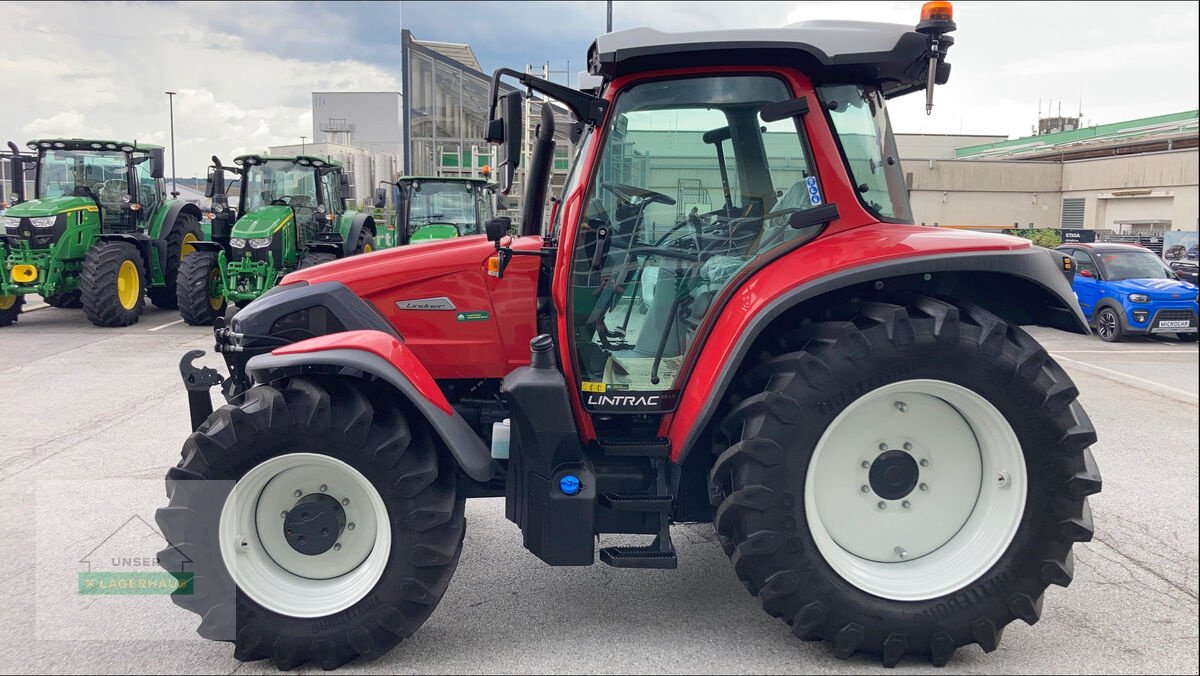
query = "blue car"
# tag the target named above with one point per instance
(1127, 290)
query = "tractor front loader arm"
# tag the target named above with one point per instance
(381, 355)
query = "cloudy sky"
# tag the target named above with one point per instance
(244, 71)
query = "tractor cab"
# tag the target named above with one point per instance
(436, 208)
(118, 181)
(303, 190)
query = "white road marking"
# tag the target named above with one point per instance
(1128, 379)
(177, 321)
(1114, 351)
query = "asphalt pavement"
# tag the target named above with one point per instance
(91, 418)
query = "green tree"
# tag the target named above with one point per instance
(1047, 237)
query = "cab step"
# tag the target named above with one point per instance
(652, 556)
(636, 502)
(651, 448)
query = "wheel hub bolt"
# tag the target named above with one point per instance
(902, 407)
(881, 504)
(337, 547)
(924, 462)
(924, 487)
(906, 504)
(865, 489)
(345, 502)
(1002, 479)
(324, 488)
(298, 492)
(883, 447)
(865, 464)
(901, 552)
(907, 446)
(350, 526)
(283, 514)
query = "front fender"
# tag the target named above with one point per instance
(385, 357)
(759, 302)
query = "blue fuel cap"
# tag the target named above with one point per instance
(569, 484)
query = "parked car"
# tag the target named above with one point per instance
(1176, 252)
(1187, 271)
(1194, 252)
(1127, 290)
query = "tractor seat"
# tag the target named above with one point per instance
(112, 192)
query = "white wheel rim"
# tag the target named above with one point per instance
(267, 569)
(962, 512)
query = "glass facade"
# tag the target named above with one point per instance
(446, 115)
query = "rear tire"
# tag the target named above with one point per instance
(787, 439)
(186, 230)
(366, 242)
(200, 289)
(1109, 326)
(10, 309)
(311, 258)
(333, 422)
(67, 299)
(113, 282)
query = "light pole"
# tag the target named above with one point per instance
(302, 144)
(609, 16)
(171, 103)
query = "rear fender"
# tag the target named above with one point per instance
(356, 227)
(1023, 286)
(383, 356)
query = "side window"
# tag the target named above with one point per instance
(332, 187)
(147, 188)
(1085, 261)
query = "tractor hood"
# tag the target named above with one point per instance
(49, 206)
(261, 222)
(407, 265)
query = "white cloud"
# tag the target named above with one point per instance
(101, 70)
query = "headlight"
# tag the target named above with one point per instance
(10, 222)
(43, 221)
(1139, 298)
(260, 242)
(237, 243)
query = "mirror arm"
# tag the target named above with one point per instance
(585, 107)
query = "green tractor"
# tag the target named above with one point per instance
(291, 214)
(429, 208)
(99, 232)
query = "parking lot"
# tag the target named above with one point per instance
(93, 417)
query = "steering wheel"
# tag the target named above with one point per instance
(285, 200)
(629, 193)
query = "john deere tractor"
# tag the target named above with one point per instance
(99, 232)
(429, 209)
(291, 214)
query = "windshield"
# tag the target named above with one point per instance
(692, 187)
(281, 183)
(98, 174)
(865, 133)
(1120, 265)
(450, 203)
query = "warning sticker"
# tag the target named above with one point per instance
(814, 193)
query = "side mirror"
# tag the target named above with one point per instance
(157, 163)
(344, 186)
(380, 197)
(497, 228)
(507, 132)
(209, 186)
(1086, 273)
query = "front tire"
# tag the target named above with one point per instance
(10, 309)
(366, 242)
(311, 258)
(906, 481)
(368, 450)
(200, 289)
(113, 282)
(179, 248)
(66, 299)
(1109, 326)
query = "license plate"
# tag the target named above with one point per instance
(1175, 324)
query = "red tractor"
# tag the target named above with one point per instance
(890, 462)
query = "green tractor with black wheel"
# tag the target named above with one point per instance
(291, 214)
(436, 208)
(99, 232)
